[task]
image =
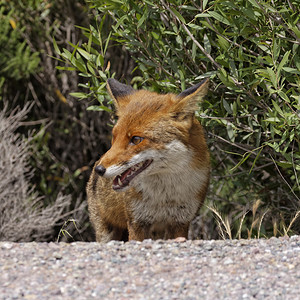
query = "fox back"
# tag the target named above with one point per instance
(153, 180)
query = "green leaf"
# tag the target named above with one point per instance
(249, 12)
(227, 106)
(81, 67)
(79, 95)
(194, 26)
(91, 68)
(207, 45)
(233, 69)
(99, 108)
(234, 108)
(82, 28)
(178, 15)
(296, 30)
(66, 68)
(272, 120)
(276, 49)
(85, 54)
(219, 17)
(204, 3)
(143, 18)
(66, 54)
(90, 42)
(107, 42)
(272, 77)
(194, 51)
(100, 61)
(222, 74)
(120, 21)
(285, 165)
(277, 108)
(284, 96)
(230, 132)
(245, 157)
(202, 15)
(291, 70)
(155, 35)
(207, 75)
(255, 160)
(284, 60)
(223, 42)
(182, 79)
(56, 47)
(102, 75)
(254, 3)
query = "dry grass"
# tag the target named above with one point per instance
(225, 224)
(24, 216)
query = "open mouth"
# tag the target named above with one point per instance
(124, 179)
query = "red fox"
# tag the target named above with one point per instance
(152, 181)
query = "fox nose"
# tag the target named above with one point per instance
(100, 170)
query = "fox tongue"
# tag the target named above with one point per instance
(120, 180)
(125, 174)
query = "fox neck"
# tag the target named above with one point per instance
(173, 192)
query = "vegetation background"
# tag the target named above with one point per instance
(55, 58)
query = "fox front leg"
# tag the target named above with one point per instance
(106, 232)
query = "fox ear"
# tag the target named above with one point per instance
(188, 99)
(119, 92)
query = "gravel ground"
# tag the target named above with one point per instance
(177, 269)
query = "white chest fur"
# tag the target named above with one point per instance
(170, 190)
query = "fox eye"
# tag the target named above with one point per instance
(135, 140)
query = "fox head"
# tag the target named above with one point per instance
(154, 134)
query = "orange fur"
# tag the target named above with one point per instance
(160, 163)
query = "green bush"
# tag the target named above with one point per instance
(17, 61)
(250, 50)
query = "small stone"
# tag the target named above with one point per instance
(148, 246)
(180, 239)
(6, 245)
(208, 247)
(228, 261)
(57, 255)
(255, 251)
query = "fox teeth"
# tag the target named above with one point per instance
(119, 181)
